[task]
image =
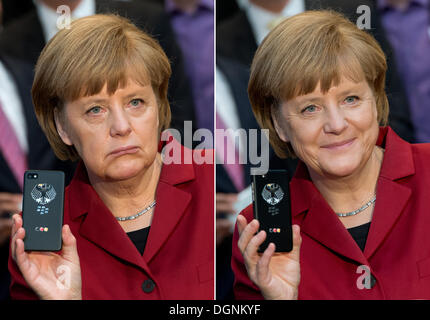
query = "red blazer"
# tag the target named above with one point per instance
(178, 261)
(397, 250)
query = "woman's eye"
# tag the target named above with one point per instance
(95, 110)
(136, 102)
(351, 99)
(311, 108)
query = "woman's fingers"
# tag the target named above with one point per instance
(69, 250)
(246, 232)
(297, 242)
(241, 223)
(19, 235)
(17, 223)
(263, 274)
(255, 242)
(21, 257)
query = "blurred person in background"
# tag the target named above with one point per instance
(233, 112)
(193, 25)
(407, 26)
(13, 9)
(225, 9)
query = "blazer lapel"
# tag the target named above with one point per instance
(391, 196)
(322, 224)
(172, 203)
(319, 221)
(390, 202)
(172, 200)
(101, 228)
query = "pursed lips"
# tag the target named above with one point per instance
(124, 150)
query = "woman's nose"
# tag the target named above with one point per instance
(120, 122)
(335, 121)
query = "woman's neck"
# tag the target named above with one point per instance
(125, 198)
(350, 193)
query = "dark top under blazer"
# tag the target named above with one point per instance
(397, 249)
(179, 253)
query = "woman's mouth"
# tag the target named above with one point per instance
(123, 150)
(339, 145)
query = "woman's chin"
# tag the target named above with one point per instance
(124, 170)
(340, 168)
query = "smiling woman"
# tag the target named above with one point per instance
(100, 95)
(317, 83)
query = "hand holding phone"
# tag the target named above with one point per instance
(276, 274)
(51, 276)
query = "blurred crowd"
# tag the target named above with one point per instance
(185, 30)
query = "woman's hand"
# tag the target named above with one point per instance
(276, 274)
(52, 276)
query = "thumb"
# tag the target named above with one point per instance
(69, 249)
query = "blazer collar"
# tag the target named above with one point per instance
(100, 226)
(321, 223)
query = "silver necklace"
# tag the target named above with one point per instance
(352, 213)
(134, 216)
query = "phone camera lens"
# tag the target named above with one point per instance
(30, 176)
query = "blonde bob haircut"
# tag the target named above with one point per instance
(311, 48)
(96, 51)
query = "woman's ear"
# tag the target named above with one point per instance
(61, 128)
(277, 120)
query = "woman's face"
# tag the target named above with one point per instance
(334, 133)
(115, 135)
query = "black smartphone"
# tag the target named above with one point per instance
(272, 208)
(42, 210)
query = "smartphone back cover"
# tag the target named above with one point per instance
(43, 210)
(271, 200)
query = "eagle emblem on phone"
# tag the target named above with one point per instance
(43, 193)
(272, 193)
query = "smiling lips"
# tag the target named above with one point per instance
(339, 145)
(124, 150)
